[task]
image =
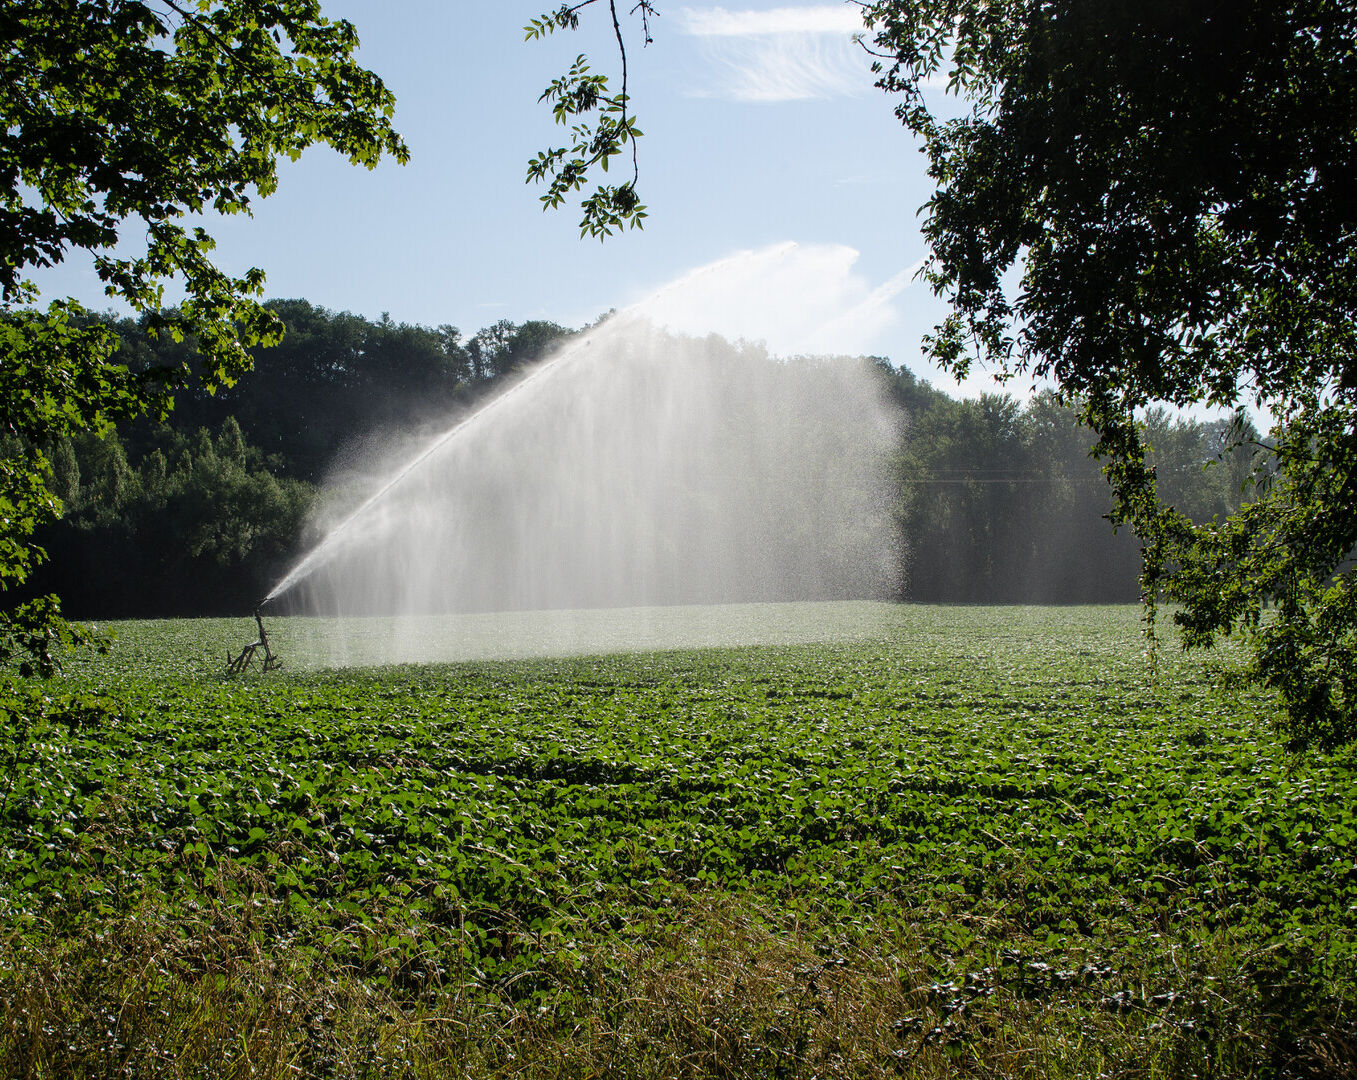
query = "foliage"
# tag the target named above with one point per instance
(189, 524)
(503, 348)
(986, 816)
(573, 97)
(56, 378)
(1003, 503)
(196, 515)
(115, 112)
(334, 378)
(34, 635)
(1152, 203)
(337, 379)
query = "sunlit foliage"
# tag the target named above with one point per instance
(119, 120)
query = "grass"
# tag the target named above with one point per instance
(940, 842)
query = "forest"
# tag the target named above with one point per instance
(995, 500)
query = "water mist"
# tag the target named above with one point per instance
(636, 466)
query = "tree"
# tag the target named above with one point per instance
(499, 349)
(195, 525)
(1157, 203)
(120, 112)
(1001, 504)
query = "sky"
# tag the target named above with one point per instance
(763, 130)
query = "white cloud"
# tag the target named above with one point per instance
(783, 69)
(718, 22)
(778, 54)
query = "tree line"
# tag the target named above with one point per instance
(198, 514)
(1001, 502)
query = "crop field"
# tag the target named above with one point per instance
(939, 842)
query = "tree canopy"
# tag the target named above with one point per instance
(1157, 203)
(202, 511)
(119, 119)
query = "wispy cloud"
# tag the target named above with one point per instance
(778, 54)
(822, 19)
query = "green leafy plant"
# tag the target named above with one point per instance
(33, 636)
(988, 811)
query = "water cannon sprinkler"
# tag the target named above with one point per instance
(235, 665)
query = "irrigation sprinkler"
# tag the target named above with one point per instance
(240, 663)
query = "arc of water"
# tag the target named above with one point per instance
(642, 309)
(317, 555)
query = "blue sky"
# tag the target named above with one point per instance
(762, 128)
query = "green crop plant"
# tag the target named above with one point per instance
(978, 841)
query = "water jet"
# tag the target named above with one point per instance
(640, 465)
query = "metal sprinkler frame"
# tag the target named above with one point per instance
(271, 662)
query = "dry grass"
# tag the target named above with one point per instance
(716, 986)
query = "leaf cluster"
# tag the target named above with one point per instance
(149, 112)
(33, 637)
(600, 129)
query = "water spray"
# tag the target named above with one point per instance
(335, 535)
(608, 453)
(317, 555)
